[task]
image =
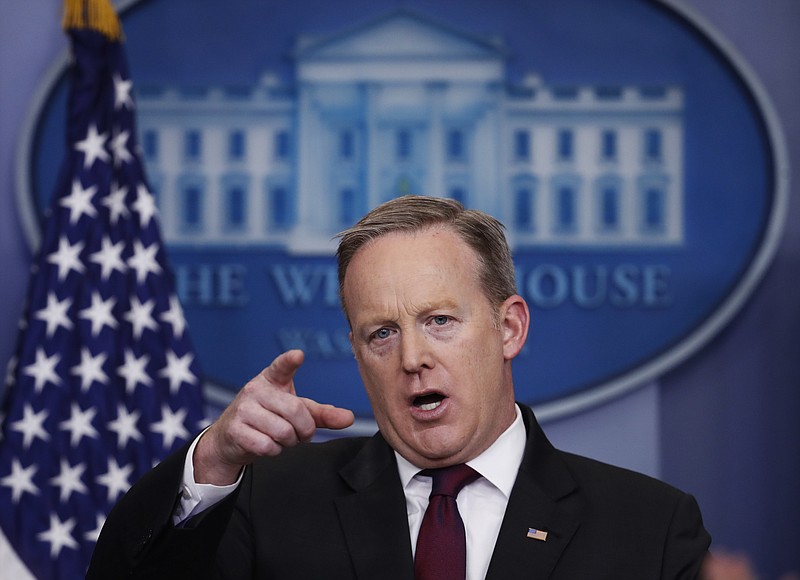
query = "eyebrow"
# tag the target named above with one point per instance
(419, 309)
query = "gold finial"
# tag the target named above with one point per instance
(96, 15)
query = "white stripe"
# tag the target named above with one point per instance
(11, 567)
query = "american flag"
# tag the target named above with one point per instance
(104, 382)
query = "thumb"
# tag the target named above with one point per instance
(328, 416)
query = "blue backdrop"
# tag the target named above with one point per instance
(723, 425)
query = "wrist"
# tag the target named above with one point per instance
(209, 467)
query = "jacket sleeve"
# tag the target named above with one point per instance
(139, 540)
(687, 542)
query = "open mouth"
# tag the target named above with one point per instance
(429, 401)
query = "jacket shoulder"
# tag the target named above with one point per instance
(610, 480)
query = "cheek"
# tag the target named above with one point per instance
(376, 383)
(483, 371)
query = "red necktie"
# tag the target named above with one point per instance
(442, 545)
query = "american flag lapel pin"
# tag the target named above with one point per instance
(537, 534)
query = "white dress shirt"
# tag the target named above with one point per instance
(482, 504)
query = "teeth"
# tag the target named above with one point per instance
(430, 406)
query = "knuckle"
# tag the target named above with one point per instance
(266, 446)
(284, 432)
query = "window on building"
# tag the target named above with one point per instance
(608, 145)
(608, 93)
(403, 144)
(150, 145)
(455, 145)
(347, 206)
(236, 207)
(279, 211)
(609, 208)
(192, 145)
(347, 146)
(653, 145)
(654, 211)
(282, 145)
(566, 215)
(565, 145)
(458, 193)
(192, 207)
(522, 144)
(565, 93)
(523, 208)
(237, 145)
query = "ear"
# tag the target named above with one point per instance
(514, 322)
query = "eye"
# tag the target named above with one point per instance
(441, 320)
(381, 334)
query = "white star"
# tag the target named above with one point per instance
(120, 148)
(79, 424)
(20, 480)
(177, 371)
(92, 535)
(171, 426)
(109, 257)
(115, 479)
(59, 535)
(141, 316)
(100, 313)
(133, 371)
(43, 369)
(174, 316)
(115, 202)
(145, 204)
(55, 314)
(90, 369)
(69, 480)
(93, 146)
(67, 257)
(125, 426)
(143, 260)
(31, 426)
(79, 202)
(122, 92)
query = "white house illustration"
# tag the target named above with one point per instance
(401, 105)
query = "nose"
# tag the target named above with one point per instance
(415, 353)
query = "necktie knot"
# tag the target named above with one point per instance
(449, 481)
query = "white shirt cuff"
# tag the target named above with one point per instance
(198, 497)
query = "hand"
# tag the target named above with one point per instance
(723, 565)
(264, 418)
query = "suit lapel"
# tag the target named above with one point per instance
(374, 517)
(375, 523)
(542, 481)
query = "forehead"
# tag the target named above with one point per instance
(431, 260)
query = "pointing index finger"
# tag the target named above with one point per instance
(280, 373)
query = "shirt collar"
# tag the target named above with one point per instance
(498, 464)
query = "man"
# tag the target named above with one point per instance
(428, 290)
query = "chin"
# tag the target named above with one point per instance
(440, 450)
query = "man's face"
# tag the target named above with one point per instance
(434, 355)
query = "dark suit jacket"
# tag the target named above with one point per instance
(337, 510)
